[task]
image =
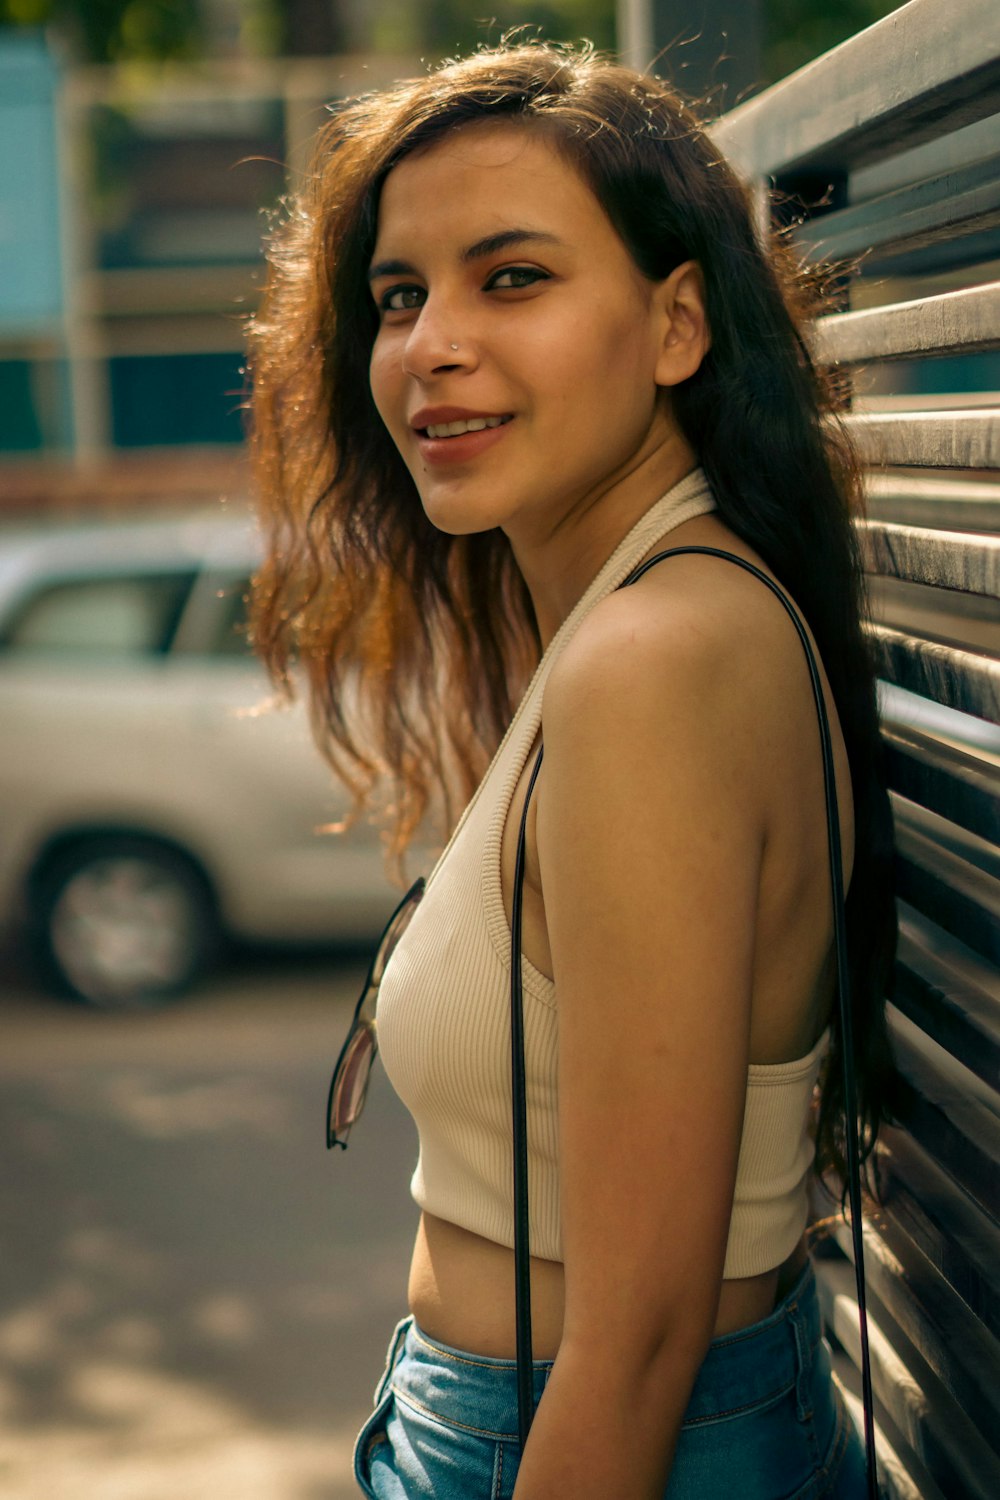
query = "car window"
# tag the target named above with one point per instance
(130, 616)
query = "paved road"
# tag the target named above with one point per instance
(194, 1296)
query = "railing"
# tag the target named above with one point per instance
(892, 144)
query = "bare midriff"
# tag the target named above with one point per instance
(462, 1293)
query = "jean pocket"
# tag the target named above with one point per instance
(372, 1434)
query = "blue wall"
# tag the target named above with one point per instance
(31, 294)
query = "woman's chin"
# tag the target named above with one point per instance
(458, 517)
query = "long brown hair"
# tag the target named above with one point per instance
(416, 645)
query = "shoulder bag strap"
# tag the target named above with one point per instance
(525, 1382)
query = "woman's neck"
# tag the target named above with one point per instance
(559, 565)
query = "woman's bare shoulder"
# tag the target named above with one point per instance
(694, 627)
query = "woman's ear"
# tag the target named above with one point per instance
(686, 336)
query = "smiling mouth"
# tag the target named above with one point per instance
(458, 429)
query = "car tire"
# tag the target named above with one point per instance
(122, 922)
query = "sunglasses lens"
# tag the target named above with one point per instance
(354, 1066)
(347, 1096)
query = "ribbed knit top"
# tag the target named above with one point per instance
(444, 1015)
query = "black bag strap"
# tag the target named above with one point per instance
(525, 1381)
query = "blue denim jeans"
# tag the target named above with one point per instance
(764, 1422)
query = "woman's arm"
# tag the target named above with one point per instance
(650, 833)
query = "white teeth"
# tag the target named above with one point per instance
(455, 429)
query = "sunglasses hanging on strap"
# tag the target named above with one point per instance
(525, 1384)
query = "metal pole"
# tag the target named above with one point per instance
(86, 352)
(634, 28)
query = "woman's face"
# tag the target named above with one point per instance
(509, 307)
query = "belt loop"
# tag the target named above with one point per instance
(803, 1360)
(393, 1357)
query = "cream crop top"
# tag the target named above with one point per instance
(444, 1017)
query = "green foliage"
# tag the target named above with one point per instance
(116, 30)
(796, 31)
(25, 12)
(454, 26)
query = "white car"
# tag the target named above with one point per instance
(149, 806)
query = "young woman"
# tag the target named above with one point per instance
(519, 337)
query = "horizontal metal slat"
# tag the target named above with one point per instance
(962, 201)
(920, 1403)
(965, 439)
(949, 993)
(940, 844)
(955, 148)
(901, 1475)
(958, 897)
(921, 611)
(960, 1352)
(967, 799)
(952, 783)
(941, 1311)
(901, 1407)
(959, 679)
(944, 559)
(973, 247)
(957, 1240)
(932, 500)
(904, 712)
(913, 75)
(938, 1105)
(952, 323)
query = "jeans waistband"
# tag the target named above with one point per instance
(741, 1369)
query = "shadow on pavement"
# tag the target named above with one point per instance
(196, 1296)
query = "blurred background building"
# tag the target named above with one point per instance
(143, 145)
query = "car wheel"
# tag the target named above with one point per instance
(123, 922)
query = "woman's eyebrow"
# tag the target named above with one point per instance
(493, 243)
(490, 244)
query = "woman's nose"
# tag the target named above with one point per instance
(436, 343)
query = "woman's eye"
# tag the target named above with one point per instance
(402, 298)
(513, 278)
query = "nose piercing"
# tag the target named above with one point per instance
(454, 346)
